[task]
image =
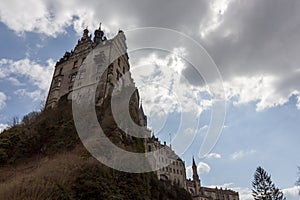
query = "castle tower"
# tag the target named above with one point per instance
(98, 35)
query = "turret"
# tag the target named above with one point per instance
(85, 34)
(98, 35)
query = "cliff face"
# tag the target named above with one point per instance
(43, 158)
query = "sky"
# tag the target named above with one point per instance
(254, 46)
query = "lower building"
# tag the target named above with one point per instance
(205, 193)
(170, 166)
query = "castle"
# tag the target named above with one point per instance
(68, 70)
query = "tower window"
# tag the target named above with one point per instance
(73, 77)
(75, 64)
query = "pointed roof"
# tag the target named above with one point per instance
(194, 164)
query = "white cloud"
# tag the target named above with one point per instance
(14, 81)
(241, 154)
(36, 95)
(202, 168)
(53, 17)
(39, 76)
(292, 193)
(162, 83)
(214, 155)
(3, 99)
(260, 89)
(214, 18)
(246, 193)
(189, 131)
(3, 126)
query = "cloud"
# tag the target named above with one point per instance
(36, 95)
(246, 193)
(53, 17)
(3, 99)
(259, 61)
(202, 168)
(14, 81)
(39, 76)
(247, 47)
(3, 126)
(292, 193)
(259, 89)
(161, 82)
(241, 154)
(214, 155)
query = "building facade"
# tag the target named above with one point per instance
(68, 68)
(171, 166)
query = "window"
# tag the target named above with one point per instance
(73, 77)
(57, 83)
(83, 59)
(60, 71)
(177, 171)
(75, 64)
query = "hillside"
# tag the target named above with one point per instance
(43, 158)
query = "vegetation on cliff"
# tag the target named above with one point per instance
(43, 158)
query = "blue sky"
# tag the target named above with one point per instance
(255, 46)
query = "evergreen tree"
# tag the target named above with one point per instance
(264, 188)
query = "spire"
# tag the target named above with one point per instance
(194, 164)
(195, 173)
